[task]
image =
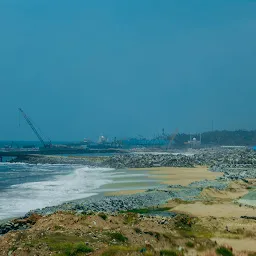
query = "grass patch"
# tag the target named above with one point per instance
(148, 210)
(13, 248)
(168, 253)
(118, 237)
(64, 244)
(224, 251)
(195, 233)
(71, 249)
(57, 227)
(188, 227)
(130, 219)
(184, 221)
(103, 215)
(123, 251)
(190, 244)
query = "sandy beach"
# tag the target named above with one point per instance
(158, 177)
(181, 176)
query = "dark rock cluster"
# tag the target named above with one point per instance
(149, 160)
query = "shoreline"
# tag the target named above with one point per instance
(111, 197)
(154, 178)
(174, 206)
(171, 207)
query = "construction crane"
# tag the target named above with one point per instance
(172, 138)
(46, 145)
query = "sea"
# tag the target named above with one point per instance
(24, 187)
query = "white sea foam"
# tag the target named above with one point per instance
(80, 183)
(11, 164)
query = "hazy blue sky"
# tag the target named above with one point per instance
(126, 67)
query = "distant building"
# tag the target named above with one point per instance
(102, 139)
(194, 142)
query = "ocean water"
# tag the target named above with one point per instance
(24, 187)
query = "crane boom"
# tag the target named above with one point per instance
(34, 129)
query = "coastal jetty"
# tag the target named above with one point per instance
(58, 151)
(234, 163)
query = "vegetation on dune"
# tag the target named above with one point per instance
(147, 210)
(139, 236)
(184, 221)
(69, 249)
(190, 244)
(169, 253)
(123, 251)
(130, 219)
(65, 245)
(189, 227)
(118, 237)
(103, 215)
(224, 251)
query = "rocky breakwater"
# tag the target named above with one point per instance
(234, 163)
(107, 204)
(149, 160)
(110, 204)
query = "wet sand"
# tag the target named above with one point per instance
(158, 177)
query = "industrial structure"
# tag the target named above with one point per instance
(194, 142)
(50, 149)
(45, 144)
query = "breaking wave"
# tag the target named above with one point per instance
(46, 185)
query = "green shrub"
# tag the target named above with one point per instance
(147, 210)
(103, 215)
(157, 236)
(69, 249)
(168, 253)
(130, 218)
(224, 251)
(118, 237)
(190, 244)
(81, 247)
(184, 221)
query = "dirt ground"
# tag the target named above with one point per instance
(130, 233)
